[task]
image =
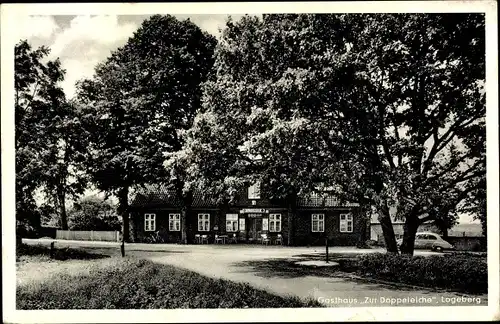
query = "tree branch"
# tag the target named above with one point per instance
(465, 178)
(396, 134)
(440, 143)
(448, 169)
(33, 95)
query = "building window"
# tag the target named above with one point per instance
(174, 222)
(231, 222)
(318, 222)
(345, 223)
(203, 222)
(149, 222)
(242, 224)
(274, 222)
(254, 191)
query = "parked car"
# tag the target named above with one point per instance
(429, 240)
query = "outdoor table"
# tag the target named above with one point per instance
(223, 237)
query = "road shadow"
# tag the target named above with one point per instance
(346, 270)
(285, 268)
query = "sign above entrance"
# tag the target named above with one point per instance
(253, 211)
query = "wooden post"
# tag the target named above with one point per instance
(326, 245)
(122, 248)
(52, 250)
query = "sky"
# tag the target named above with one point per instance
(80, 42)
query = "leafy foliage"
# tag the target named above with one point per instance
(386, 110)
(421, 109)
(138, 101)
(93, 214)
(140, 284)
(49, 137)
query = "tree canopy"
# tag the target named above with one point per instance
(139, 100)
(386, 110)
(47, 134)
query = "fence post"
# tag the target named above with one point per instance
(122, 248)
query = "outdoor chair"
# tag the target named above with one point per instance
(197, 238)
(264, 239)
(279, 239)
(204, 239)
(218, 239)
(234, 239)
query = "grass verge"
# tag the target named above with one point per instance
(141, 284)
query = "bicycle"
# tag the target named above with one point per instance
(154, 238)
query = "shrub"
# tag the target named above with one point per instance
(139, 284)
(93, 214)
(450, 272)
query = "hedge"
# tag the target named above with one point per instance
(454, 272)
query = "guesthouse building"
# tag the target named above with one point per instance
(155, 212)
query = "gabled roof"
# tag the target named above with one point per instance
(156, 195)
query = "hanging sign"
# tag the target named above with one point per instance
(253, 210)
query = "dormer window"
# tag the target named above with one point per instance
(254, 191)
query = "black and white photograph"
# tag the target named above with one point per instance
(333, 160)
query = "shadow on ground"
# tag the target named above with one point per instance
(60, 254)
(346, 270)
(288, 268)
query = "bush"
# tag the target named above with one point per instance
(469, 254)
(139, 284)
(93, 214)
(453, 272)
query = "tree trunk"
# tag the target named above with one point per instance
(410, 229)
(61, 198)
(123, 212)
(184, 225)
(292, 203)
(362, 217)
(187, 200)
(384, 218)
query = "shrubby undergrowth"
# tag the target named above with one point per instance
(454, 272)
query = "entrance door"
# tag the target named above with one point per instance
(254, 228)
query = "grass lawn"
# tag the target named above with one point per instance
(131, 283)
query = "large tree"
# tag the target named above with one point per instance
(258, 123)
(139, 100)
(418, 113)
(388, 110)
(48, 141)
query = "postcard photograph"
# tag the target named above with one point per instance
(240, 162)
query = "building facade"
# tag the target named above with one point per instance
(158, 212)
